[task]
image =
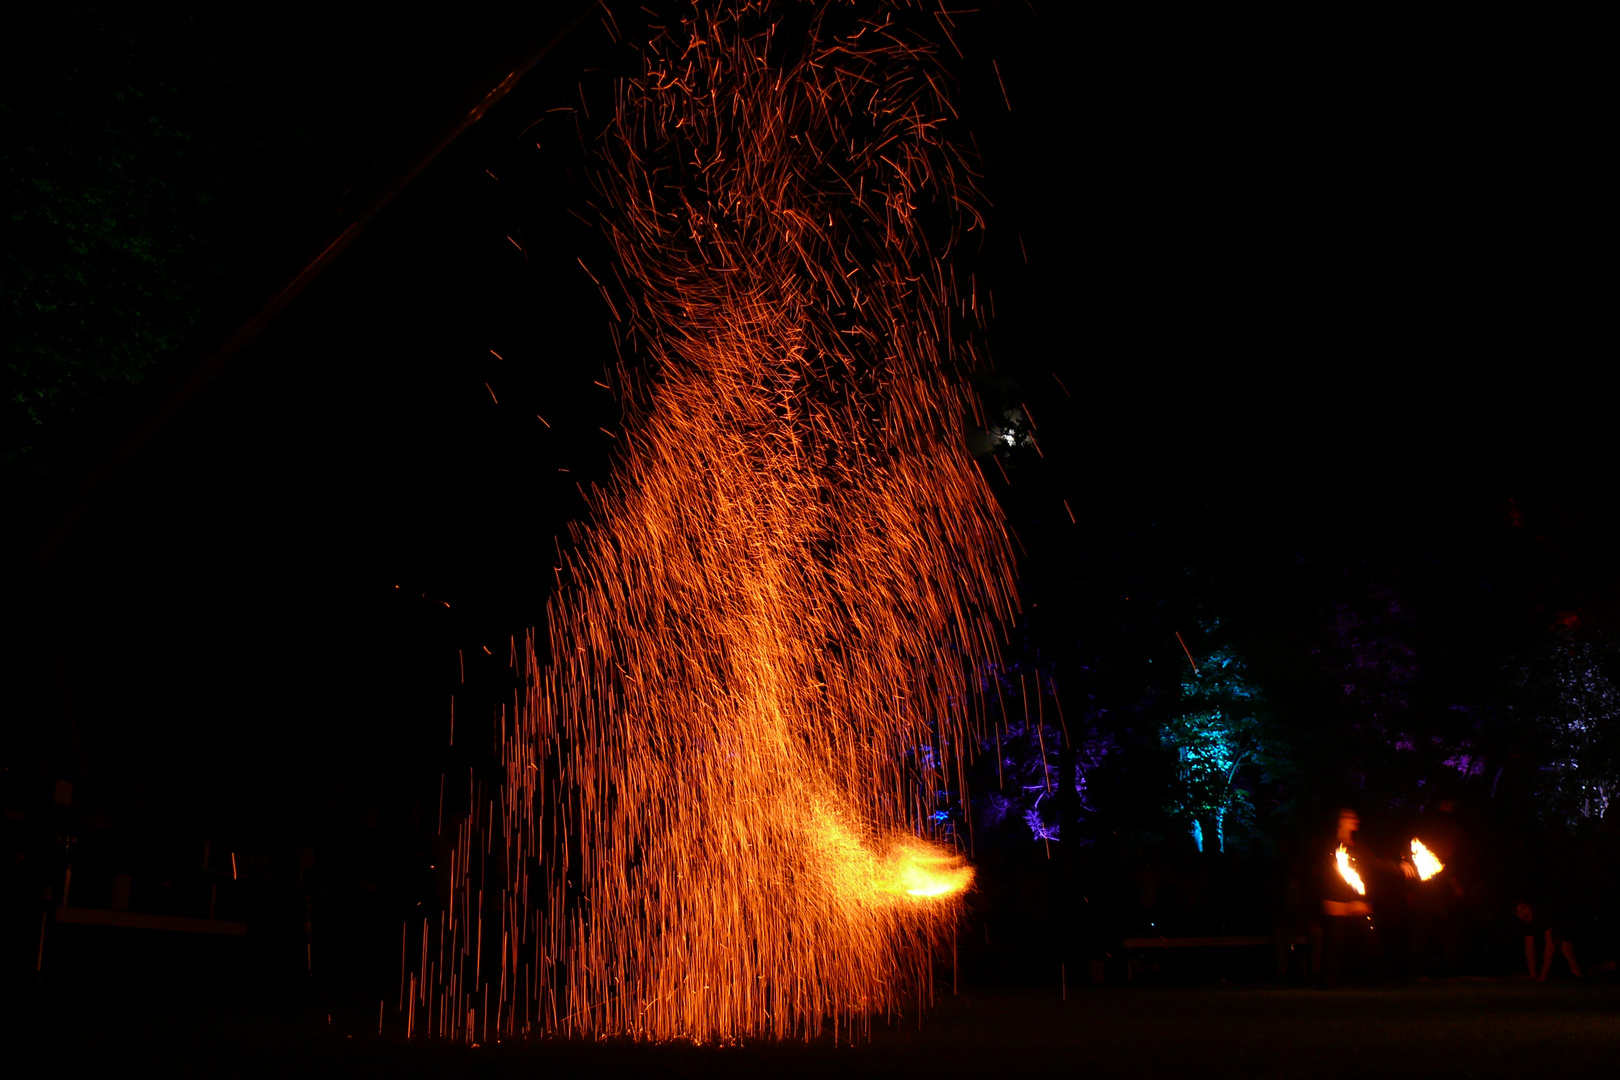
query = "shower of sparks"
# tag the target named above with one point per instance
(719, 816)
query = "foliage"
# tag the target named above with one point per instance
(101, 177)
(1223, 746)
(1368, 654)
(1570, 701)
(1021, 760)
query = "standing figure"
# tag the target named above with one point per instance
(1347, 910)
(1437, 902)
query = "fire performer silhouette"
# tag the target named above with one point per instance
(1347, 911)
(1436, 901)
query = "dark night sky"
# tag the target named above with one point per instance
(1322, 293)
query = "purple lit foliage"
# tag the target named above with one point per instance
(1366, 651)
(1461, 753)
(1021, 766)
(1389, 749)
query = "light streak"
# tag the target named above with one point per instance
(1002, 83)
(1188, 651)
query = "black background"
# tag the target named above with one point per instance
(1300, 295)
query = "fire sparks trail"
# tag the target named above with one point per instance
(717, 818)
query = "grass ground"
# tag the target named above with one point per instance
(1453, 1029)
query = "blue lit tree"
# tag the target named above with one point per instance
(1222, 748)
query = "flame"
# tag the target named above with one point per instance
(906, 869)
(1348, 872)
(1425, 861)
(926, 872)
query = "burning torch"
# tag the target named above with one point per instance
(1347, 871)
(1424, 861)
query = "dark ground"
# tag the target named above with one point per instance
(1462, 1029)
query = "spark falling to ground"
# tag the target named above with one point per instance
(718, 814)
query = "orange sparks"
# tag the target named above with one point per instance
(1003, 84)
(718, 810)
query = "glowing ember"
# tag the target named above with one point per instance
(1422, 858)
(718, 815)
(1348, 872)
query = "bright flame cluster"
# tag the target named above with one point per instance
(1348, 872)
(1425, 861)
(913, 868)
(717, 819)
